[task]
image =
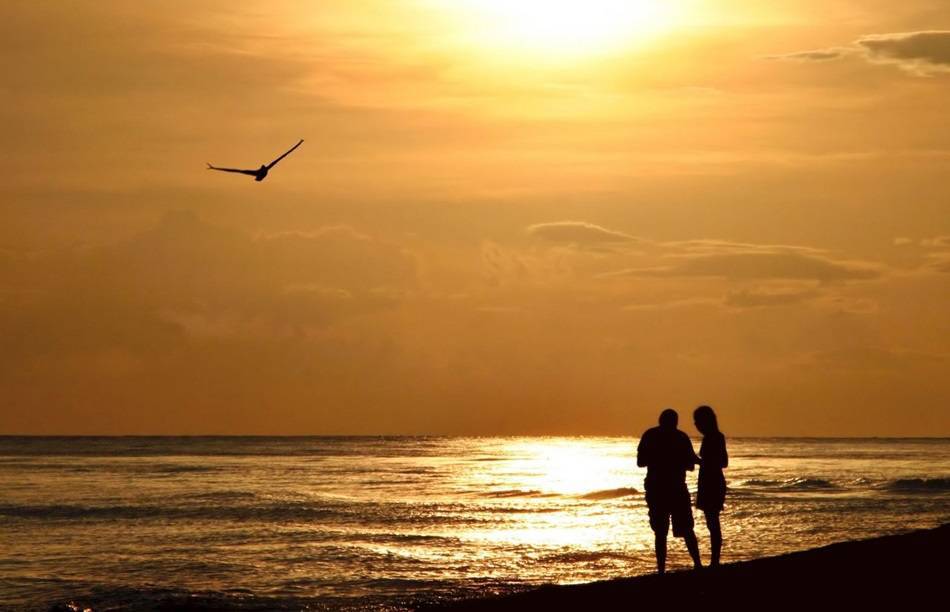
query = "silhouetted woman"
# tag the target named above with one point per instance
(712, 484)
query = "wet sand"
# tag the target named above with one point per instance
(901, 571)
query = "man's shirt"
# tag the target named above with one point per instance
(668, 455)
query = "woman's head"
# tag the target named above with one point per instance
(705, 420)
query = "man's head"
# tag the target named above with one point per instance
(669, 419)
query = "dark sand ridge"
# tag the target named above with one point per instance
(892, 572)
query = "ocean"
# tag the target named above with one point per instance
(263, 523)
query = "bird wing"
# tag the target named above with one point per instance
(274, 163)
(250, 172)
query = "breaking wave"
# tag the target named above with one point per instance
(610, 493)
(519, 493)
(922, 485)
(790, 484)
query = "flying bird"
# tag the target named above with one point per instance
(261, 173)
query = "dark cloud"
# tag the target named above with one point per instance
(754, 266)
(920, 52)
(578, 232)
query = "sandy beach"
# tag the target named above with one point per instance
(908, 569)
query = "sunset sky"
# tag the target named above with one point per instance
(527, 217)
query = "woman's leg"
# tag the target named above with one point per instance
(715, 536)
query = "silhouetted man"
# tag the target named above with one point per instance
(667, 454)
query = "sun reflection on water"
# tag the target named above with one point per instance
(576, 493)
(558, 466)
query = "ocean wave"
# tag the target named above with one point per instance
(922, 485)
(790, 484)
(421, 539)
(179, 469)
(338, 596)
(322, 512)
(519, 493)
(125, 598)
(218, 495)
(585, 556)
(755, 482)
(522, 510)
(83, 466)
(221, 446)
(807, 484)
(122, 512)
(610, 494)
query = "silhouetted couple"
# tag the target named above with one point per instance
(667, 453)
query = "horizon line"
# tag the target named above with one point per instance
(382, 435)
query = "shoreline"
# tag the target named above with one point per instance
(901, 569)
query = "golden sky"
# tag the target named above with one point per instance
(508, 217)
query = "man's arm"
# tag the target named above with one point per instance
(689, 455)
(643, 452)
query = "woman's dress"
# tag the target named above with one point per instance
(712, 483)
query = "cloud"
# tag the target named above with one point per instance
(755, 298)
(337, 256)
(504, 266)
(761, 265)
(579, 233)
(712, 247)
(883, 359)
(917, 52)
(135, 49)
(936, 242)
(666, 306)
(816, 55)
(185, 275)
(939, 262)
(920, 53)
(934, 249)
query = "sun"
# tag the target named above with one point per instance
(563, 28)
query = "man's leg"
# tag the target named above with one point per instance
(660, 542)
(660, 524)
(683, 525)
(715, 536)
(693, 547)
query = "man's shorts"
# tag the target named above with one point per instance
(671, 505)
